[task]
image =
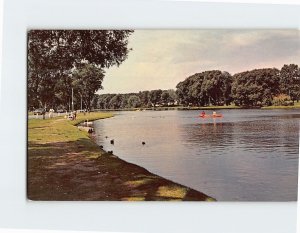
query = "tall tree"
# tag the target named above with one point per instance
(290, 81)
(255, 87)
(155, 97)
(145, 98)
(209, 87)
(134, 101)
(51, 53)
(116, 102)
(86, 81)
(165, 98)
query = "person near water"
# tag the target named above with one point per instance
(214, 113)
(203, 114)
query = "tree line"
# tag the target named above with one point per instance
(258, 87)
(142, 99)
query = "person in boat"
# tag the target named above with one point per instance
(214, 114)
(202, 114)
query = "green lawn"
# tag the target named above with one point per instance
(295, 106)
(65, 164)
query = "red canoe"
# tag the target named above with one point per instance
(211, 116)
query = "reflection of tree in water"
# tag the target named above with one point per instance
(265, 136)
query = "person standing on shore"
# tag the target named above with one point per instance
(44, 113)
(51, 111)
(74, 115)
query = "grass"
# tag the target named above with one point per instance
(65, 164)
(161, 108)
(232, 106)
(295, 106)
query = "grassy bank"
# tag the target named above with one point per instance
(65, 164)
(295, 106)
(212, 107)
(174, 108)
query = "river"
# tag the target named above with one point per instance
(248, 155)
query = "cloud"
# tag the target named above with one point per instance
(162, 58)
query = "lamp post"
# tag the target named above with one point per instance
(72, 101)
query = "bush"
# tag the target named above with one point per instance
(282, 100)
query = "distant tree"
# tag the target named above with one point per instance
(145, 98)
(256, 87)
(226, 87)
(104, 100)
(124, 101)
(281, 100)
(188, 91)
(134, 101)
(165, 98)
(209, 87)
(290, 81)
(155, 97)
(94, 102)
(216, 86)
(116, 101)
(172, 96)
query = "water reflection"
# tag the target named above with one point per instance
(247, 155)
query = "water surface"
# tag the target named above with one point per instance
(248, 155)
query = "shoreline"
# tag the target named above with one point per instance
(181, 108)
(76, 168)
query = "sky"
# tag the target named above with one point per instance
(160, 59)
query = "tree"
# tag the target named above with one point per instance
(165, 98)
(188, 91)
(145, 98)
(172, 96)
(63, 49)
(63, 90)
(86, 81)
(209, 87)
(255, 87)
(53, 53)
(290, 81)
(155, 97)
(134, 101)
(116, 101)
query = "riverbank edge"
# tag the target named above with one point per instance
(230, 107)
(208, 198)
(192, 195)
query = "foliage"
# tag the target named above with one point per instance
(86, 81)
(53, 54)
(281, 100)
(290, 81)
(134, 101)
(206, 88)
(142, 99)
(155, 97)
(256, 87)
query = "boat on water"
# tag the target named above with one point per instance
(211, 116)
